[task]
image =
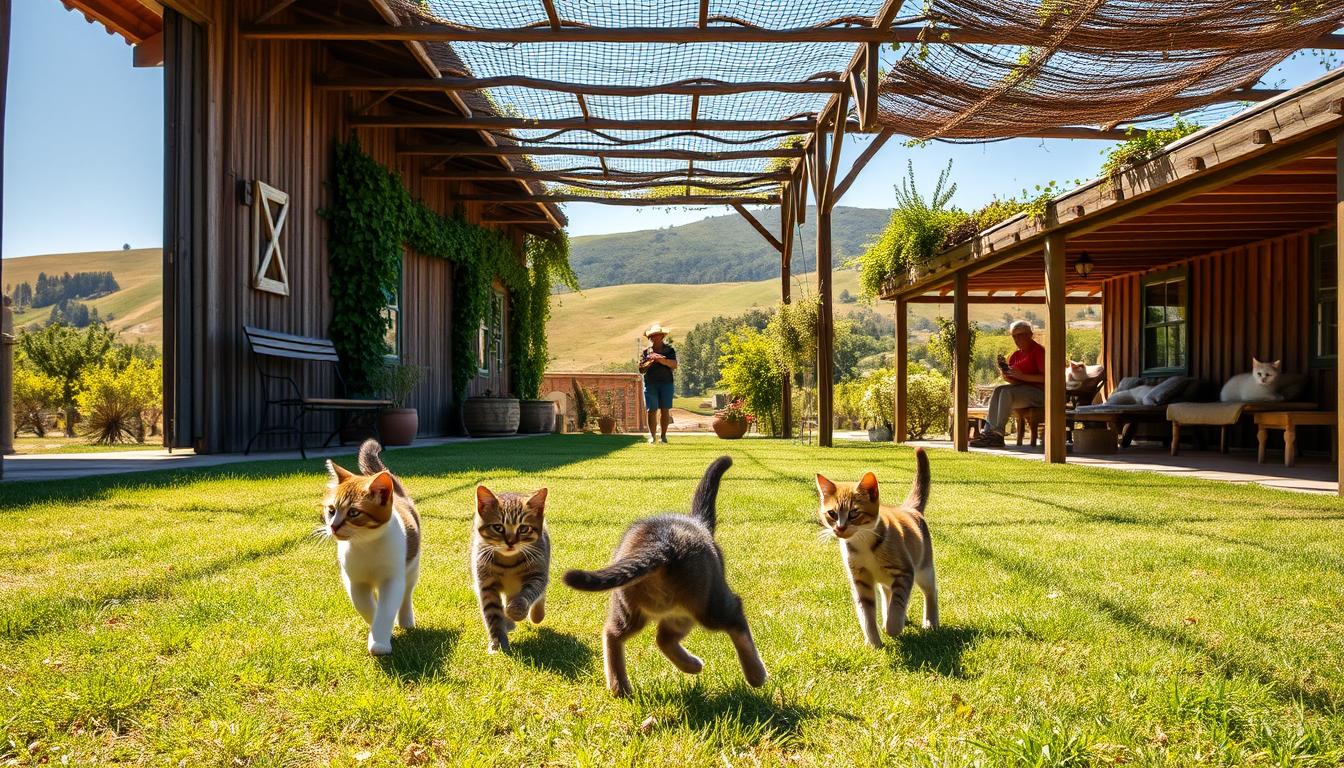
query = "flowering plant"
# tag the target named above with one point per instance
(735, 412)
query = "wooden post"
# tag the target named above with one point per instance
(961, 365)
(785, 277)
(1339, 328)
(1054, 348)
(902, 369)
(825, 331)
(4, 78)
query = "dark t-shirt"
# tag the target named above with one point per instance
(658, 373)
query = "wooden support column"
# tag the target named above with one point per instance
(1339, 328)
(825, 331)
(4, 79)
(1054, 348)
(785, 296)
(902, 369)
(961, 365)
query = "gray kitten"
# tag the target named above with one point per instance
(670, 569)
(510, 559)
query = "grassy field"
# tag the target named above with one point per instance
(137, 309)
(56, 442)
(1090, 618)
(599, 326)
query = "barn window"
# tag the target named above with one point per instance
(392, 316)
(490, 337)
(1324, 329)
(1165, 323)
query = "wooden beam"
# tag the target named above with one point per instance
(667, 200)
(837, 144)
(596, 175)
(900, 425)
(785, 296)
(961, 364)
(617, 185)
(869, 152)
(930, 35)
(275, 8)
(148, 52)
(1055, 324)
(868, 107)
(691, 87)
(475, 150)
(448, 122)
(1008, 300)
(825, 331)
(1339, 308)
(756, 225)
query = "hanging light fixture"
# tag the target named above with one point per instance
(1084, 265)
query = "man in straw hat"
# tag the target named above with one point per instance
(657, 362)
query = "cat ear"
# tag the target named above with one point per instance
(380, 487)
(536, 503)
(485, 500)
(1255, 361)
(825, 487)
(338, 473)
(1275, 364)
(869, 485)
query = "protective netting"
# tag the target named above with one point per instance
(1087, 62)
(988, 69)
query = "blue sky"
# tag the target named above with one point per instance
(84, 148)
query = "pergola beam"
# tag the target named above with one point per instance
(563, 177)
(448, 122)
(862, 160)
(650, 201)
(691, 87)
(473, 150)
(756, 225)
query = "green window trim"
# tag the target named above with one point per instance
(1322, 325)
(1164, 325)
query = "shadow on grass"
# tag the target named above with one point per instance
(420, 653)
(753, 711)
(544, 648)
(939, 651)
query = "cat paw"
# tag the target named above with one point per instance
(516, 610)
(377, 648)
(498, 645)
(621, 690)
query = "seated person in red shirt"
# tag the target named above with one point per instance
(1025, 374)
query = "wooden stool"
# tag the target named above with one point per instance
(1029, 418)
(1289, 421)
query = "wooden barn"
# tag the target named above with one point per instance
(250, 140)
(1220, 248)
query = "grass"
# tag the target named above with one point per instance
(694, 404)
(1090, 618)
(56, 442)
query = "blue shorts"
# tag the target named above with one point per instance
(657, 395)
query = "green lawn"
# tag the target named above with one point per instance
(1090, 618)
(56, 442)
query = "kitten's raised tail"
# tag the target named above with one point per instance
(919, 490)
(703, 505)
(619, 573)
(370, 458)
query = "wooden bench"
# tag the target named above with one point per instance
(1289, 421)
(282, 392)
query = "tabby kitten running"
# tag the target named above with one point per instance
(669, 569)
(377, 532)
(886, 547)
(511, 559)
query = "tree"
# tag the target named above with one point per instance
(64, 354)
(34, 395)
(698, 355)
(751, 371)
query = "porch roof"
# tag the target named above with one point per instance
(135, 20)
(1267, 171)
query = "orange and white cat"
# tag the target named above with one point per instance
(377, 532)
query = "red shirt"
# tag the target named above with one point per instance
(1029, 360)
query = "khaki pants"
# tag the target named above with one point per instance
(1007, 398)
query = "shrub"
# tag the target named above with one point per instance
(792, 333)
(928, 397)
(879, 398)
(750, 371)
(34, 394)
(1141, 145)
(115, 401)
(66, 354)
(916, 232)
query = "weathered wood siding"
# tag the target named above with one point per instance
(1243, 302)
(266, 122)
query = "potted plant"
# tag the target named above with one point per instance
(606, 416)
(733, 421)
(490, 416)
(535, 416)
(398, 425)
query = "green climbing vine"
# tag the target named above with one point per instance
(373, 219)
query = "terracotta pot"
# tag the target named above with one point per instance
(730, 430)
(490, 416)
(397, 426)
(607, 424)
(536, 416)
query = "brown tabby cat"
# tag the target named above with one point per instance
(511, 558)
(669, 569)
(886, 547)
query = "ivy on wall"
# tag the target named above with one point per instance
(373, 218)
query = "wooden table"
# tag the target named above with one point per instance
(1289, 421)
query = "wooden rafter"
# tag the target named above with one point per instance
(660, 201)
(689, 87)
(759, 227)
(615, 185)
(596, 175)
(475, 150)
(569, 123)
(868, 153)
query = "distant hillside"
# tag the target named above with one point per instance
(136, 311)
(720, 249)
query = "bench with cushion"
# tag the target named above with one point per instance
(282, 392)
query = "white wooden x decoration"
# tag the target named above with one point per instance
(267, 248)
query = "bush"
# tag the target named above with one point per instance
(34, 395)
(750, 371)
(928, 397)
(879, 398)
(115, 402)
(916, 232)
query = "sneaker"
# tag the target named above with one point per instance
(988, 439)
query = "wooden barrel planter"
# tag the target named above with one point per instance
(536, 416)
(490, 416)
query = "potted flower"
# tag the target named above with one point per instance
(733, 421)
(490, 416)
(398, 425)
(606, 416)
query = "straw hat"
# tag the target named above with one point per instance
(656, 328)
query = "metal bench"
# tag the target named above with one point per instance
(284, 393)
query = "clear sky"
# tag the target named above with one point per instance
(84, 148)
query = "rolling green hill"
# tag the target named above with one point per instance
(136, 310)
(718, 249)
